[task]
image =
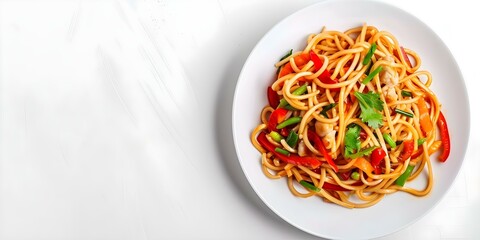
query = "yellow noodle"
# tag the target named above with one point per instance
(342, 55)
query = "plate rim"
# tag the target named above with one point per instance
(384, 4)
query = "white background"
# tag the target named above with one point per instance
(115, 120)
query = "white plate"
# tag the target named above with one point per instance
(312, 215)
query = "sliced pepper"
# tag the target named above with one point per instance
(425, 122)
(300, 61)
(408, 146)
(417, 153)
(321, 147)
(445, 136)
(377, 156)
(406, 57)
(275, 118)
(345, 175)
(311, 162)
(325, 75)
(273, 99)
(364, 165)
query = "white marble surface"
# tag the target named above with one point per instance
(115, 120)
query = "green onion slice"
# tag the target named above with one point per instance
(276, 136)
(309, 186)
(370, 53)
(300, 90)
(282, 151)
(287, 55)
(292, 139)
(289, 122)
(408, 114)
(403, 178)
(389, 140)
(406, 93)
(327, 108)
(371, 75)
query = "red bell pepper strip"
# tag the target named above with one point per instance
(300, 61)
(321, 147)
(377, 156)
(311, 162)
(273, 99)
(406, 57)
(325, 75)
(284, 131)
(334, 187)
(345, 175)
(445, 136)
(286, 69)
(363, 134)
(407, 150)
(275, 118)
(417, 153)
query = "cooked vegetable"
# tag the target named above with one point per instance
(289, 122)
(282, 151)
(276, 117)
(376, 158)
(311, 162)
(370, 104)
(371, 75)
(275, 136)
(408, 114)
(369, 54)
(309, 186)
(389, 140)
(321, 147)
(403, 178)
(445, 136)
(292, 139)
(425, 122)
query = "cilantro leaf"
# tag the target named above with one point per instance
(353, 144)
(363, 152)
(370, 104)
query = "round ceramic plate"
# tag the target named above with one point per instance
(395, 211)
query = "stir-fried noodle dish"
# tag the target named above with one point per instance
(351, 118)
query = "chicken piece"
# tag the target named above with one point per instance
(322, 129)
(389, 79)
(302, 149)
(329, 140)
(390, 94)
(326, 132)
